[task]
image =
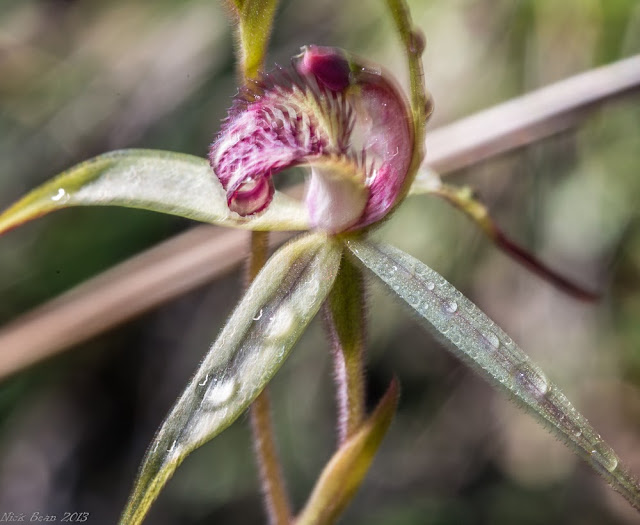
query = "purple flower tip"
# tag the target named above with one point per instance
(349, 123)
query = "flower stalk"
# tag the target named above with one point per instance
(274, 492)
(345, 319)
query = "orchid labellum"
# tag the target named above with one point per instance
(347, 121)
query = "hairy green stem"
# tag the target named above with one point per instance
(272, 482)
(345, 319)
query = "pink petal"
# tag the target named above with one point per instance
(382, 124)
(389, 142)
(282, 123)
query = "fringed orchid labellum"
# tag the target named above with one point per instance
(347, 121)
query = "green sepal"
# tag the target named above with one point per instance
(478, 341)
(346, 470)
(254, 23)
(263, 328)
(161, 181)
(345, 317)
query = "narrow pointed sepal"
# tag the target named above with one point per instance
(478, 341)
(346, 470)
(263, 328)
(160, 181)
(429, 183)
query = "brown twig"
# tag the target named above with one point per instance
(205, 253)
(462, 199)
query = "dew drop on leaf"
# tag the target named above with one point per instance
(60, 196)
(602, 455)
(530, 380)
(493, 340)
(282, 323)
(413, 297)
(220, 392)
(451, 306)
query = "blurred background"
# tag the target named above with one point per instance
(80, 78)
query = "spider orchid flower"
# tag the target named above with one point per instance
(348, 122)
(355, 130)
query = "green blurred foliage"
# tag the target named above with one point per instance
(80, 78)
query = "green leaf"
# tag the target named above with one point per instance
(347, 468)
(254, 22)
(160, 181)
(481, 343)
(277, 307)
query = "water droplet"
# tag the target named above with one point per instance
(413, 297)
(603, 455)
(220, 392)
(60, 196)
(493, 340)
(421, 270)
(258, 316)
(282, 323)
(531, 380)
(430, 286)
(451, 306)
